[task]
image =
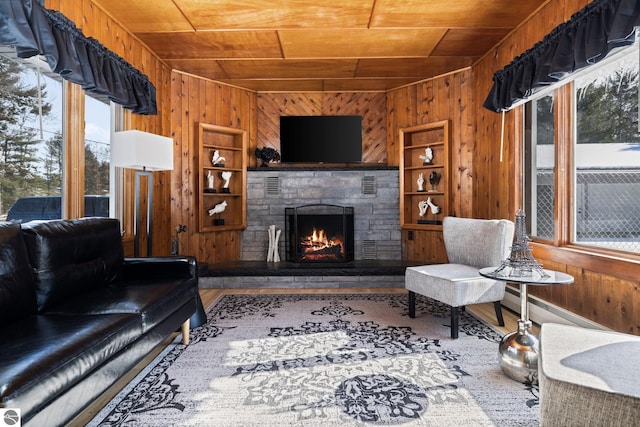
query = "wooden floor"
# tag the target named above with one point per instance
(208, 296)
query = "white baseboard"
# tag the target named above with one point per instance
(541, 311)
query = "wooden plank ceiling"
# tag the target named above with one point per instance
(316, 45)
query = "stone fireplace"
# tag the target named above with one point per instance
(372, 192)
(319, 233)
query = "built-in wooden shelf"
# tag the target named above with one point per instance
(415, 141)
(230, 143)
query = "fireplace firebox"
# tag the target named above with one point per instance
(319, 233)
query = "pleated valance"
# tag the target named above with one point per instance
(35, 30)
(587, 38)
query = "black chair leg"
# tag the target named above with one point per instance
(498, 307)
(412, 305)
(454, 322)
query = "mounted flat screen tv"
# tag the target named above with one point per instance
(320, 139)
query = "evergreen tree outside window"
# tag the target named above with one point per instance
(30, 138)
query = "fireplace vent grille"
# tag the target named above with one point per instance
(369, 184)
(272, 185)
(369, 250)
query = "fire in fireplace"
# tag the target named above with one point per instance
(319, 233)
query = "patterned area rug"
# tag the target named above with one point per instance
(323, 360)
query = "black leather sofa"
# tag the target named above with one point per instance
(75, 315)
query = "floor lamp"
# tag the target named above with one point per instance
(145, 152)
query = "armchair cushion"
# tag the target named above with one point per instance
(588, 377)
(477, 242)
(454, 284)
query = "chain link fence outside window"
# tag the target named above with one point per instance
(607, 208)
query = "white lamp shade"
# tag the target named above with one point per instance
(134, 149)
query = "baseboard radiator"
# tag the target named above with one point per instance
(541, 311)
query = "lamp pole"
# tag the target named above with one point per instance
(136, 239)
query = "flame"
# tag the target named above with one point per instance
(319, 236)
(318, 241)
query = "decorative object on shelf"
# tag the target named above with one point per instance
(217, 210)
(520, 262)
(145, 152)
(434, 209)
(267, 155)
(274, 236)
(226, 175)
(217, 159)
(210, 183)
(427, 157)
(421, 182)
(434, 178)
(422, 208)
(425, 205)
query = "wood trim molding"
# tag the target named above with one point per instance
(564, 187)
(624, 268)
(73, 134)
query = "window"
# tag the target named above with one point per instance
(599, 159)
(31, 120)
(33, 149)
(97, 132)
(539, 163)
(606, 209)
(97, 136)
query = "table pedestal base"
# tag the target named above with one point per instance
(518, 354)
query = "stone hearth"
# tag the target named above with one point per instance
(262, 274)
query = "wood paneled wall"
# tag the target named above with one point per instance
(195, 100)
(606, 289)
(444, 98)
(370, 105)
(94, 22)
(483, 184)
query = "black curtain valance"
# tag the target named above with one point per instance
(35, 30)
(585, 39)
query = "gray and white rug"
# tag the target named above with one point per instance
(323, 360)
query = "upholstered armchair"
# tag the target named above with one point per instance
(471, 244)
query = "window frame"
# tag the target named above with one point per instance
(74, 152)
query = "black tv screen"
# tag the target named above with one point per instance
(320, 139)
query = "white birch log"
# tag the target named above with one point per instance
(271, 242)
(276, 253)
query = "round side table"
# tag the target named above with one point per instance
(518, 351)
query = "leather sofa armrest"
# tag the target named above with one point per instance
(159, 267)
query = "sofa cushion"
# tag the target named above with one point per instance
(43, 355)
(153, 302)
(17, 287)
(72, 257)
